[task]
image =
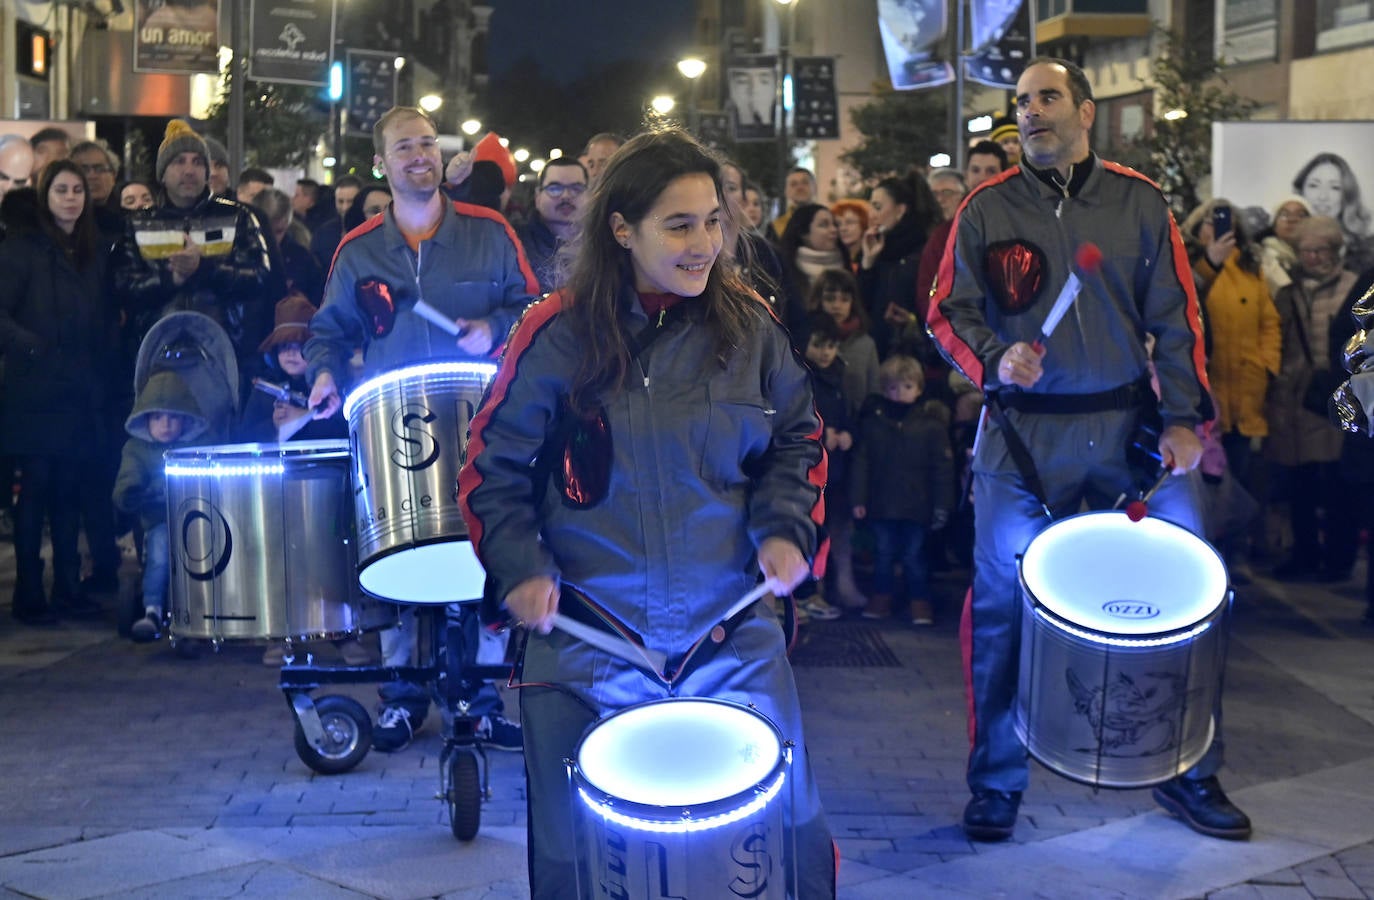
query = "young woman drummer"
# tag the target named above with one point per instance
(677, 457)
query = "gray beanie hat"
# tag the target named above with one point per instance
(218, 152)
(180, 138)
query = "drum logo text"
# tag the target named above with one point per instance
(206, 542)
(750, 853)
(1130, 609)
(417, 448)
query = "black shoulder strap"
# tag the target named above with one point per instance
(1020, 455)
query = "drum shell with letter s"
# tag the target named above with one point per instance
(408, 428)
(261, 546)
(1123, 643)
(682, 798)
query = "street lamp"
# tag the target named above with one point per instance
(662, 104)
(431, 102)
(471, 127)
(692, 68)
(521, 155)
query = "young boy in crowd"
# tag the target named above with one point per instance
(165, 417)
(828, 371)
(902, 483)
(265, 417)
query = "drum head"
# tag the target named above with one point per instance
(679, 752)
(445, 572)
(1106, 573)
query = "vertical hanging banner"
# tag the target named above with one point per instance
(753, 95)
(181, 38)
(815, 105)
(370, 88)
(911, 31)
(1002, 42)
(292, 41)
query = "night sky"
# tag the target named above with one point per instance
(570, 39)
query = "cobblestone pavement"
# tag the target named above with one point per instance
(131, 772)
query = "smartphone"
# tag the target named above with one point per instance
(1221, 220)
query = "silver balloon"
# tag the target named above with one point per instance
(1363, 310)
(1358, 351)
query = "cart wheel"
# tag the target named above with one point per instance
(347, 732)
(464, 795)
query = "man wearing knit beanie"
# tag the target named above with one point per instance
(195, 251)
(219, 167)
(1009, 137)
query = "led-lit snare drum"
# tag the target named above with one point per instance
(1123, 641)
(679, 798)
(261, 543)
(409, 432)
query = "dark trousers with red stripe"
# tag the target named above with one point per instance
(1007, 519)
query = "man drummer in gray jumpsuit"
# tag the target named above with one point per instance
(1062, 416)
(460, 259)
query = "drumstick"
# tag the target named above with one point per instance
(1136, 509)
(613, 645)
(1088, 258)
(434, 317)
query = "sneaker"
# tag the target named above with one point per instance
(991, 815)
(393, 731)
(922, 613)
(147, 629)
(499, 733)
(818, 610)
(1203, 807)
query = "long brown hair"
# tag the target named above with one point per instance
(81, 243)
(633, 180)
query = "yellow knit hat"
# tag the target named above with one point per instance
(180, 138)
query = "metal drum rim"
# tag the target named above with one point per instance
(376, 385)
(690, 816)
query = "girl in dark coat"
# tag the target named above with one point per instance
(57, 337)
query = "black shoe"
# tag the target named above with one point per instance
(100, 583)
(34, 615)
(392, 731)
(991, 815)
(77, 607)
(499, 733)
(147, 629)
(1203, 807)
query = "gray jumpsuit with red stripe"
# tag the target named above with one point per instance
(707, 461)
(1010, 252)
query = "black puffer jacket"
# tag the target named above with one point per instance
(229, 287)
(58, 340)
(902, 466)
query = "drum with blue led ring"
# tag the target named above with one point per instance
(1123, 642)
(682, 797)
(261, 543)
(409, 428)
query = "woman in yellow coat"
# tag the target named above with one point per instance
(1243, 329)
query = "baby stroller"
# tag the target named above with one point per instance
(198, 349)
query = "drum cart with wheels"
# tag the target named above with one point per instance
(334, 732)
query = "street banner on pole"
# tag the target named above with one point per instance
(753, 94)
(291, 41)
(174, 37)
(816, 106)
(1001, 49)
(370, 89)
(911, 32)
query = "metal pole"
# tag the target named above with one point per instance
(237, 40)
(784, 151)
(957, 114)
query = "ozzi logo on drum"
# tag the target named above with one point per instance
(1130, 609)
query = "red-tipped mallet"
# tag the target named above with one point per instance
(1137, 509)
(1087, 259)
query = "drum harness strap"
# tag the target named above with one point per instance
(1134, 395)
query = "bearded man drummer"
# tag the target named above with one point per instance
(459, 259)
(1061, 416)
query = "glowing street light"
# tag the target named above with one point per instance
(556, 153)
(431, 102)
(691, 67)
(537, 165)
(471, 127)
(662, 104)
(521, 155)
(1175, 114)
